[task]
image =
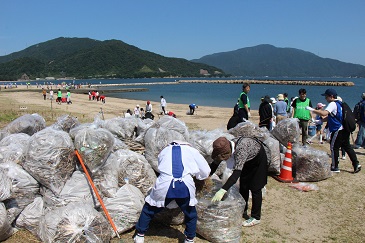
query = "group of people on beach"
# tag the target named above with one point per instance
(95, 95)
(59, 98)
(272, 111)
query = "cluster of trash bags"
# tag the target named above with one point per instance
(44, 189)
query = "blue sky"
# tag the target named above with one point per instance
(191, 28)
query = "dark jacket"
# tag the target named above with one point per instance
(265, 112)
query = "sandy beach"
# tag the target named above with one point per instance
(205, 117)
(334, 213)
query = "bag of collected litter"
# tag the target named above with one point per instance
(50, 158)
(222, 221)
(94, 146)
(106, 178)
(142, 127)
(13, 147)
(30, 216)
(12, 153)
(21, 139)
(6, 186)
(77, 189)
(24, 189)
(172, 123)
(274, 147)
(203, 140)
(119, 144)
(3, 134)
(136, 169)
(286, 131)
(66, 123)
(125, 208)
(75, 130)
(27, 123)
(158, 137)
(248, 129)
(121, 127)
(310, 164)
(76, 222)
(5, 225)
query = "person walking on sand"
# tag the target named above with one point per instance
(301, 113)
(248, 159)
(340, 138)
(68, 97)
(51, 94)
(265, 112)
(59, 96)
(163, 105)
(359, 112)
(44, 92)
(136, 111)
(280, 108)
(178, 163)
(244, 103)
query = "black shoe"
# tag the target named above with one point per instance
(245, 216)
(335, 170)
(357, 169)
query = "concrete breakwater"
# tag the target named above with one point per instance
(280, 82)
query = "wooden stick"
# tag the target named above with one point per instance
(96, 192)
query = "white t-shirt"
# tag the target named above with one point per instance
(332, 109)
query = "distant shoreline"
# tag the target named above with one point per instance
(279, 82)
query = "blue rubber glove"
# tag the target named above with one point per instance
(218, 195)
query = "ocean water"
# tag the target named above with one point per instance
(225, 95)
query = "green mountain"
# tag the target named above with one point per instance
(87, 58)
(268, 60)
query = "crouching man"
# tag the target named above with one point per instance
(177, 164)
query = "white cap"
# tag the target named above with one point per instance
(137, 105)
(273, 100)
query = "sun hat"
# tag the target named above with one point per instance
(330, 92)
(221, 149)
(280, 97)
(137, 105)
(273, 100)
(320, 105)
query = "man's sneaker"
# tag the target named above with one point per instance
(335, 169)
(250, 222)
(344, 157)
(189, 240)
(138, 238)
(357, 147)
(357, 169)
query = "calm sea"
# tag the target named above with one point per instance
(225, 95)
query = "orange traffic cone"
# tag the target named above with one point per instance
(286, 168)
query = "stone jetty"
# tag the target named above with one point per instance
(280, 82)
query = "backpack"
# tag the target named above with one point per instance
(348, 117)
(359, 111)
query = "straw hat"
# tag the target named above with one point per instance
(280, 97)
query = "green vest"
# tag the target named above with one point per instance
(240, 103)
(300, 111)
(59, 93)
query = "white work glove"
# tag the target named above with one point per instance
(309, 108)
(218, 195)
(249, 114)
